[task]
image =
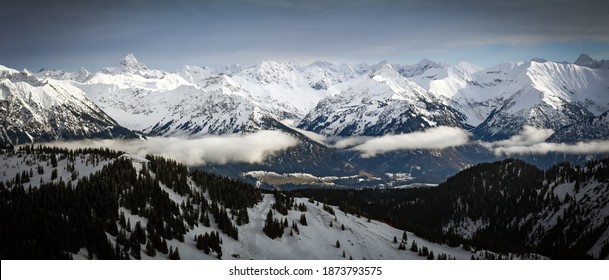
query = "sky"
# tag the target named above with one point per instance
(68, 34)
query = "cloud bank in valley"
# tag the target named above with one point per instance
(431, 139)
(592, 147)
(531, 140)
(250, 148)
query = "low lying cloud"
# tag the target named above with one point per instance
(593, 147)
(250, 148)
(321, 139)
(531, 140)
(349, 142)
(528, 135)
(434, 138)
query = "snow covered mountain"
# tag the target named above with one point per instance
(586, 61)
(509, 205)
(500, 100)
(44, 109)
(378, 103)
(196, 101)
(594, 128)
(494, 102)
(288, 91)
(564, 207)
(80, 76)
(190, 103)
(544, 95)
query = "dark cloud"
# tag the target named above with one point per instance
(170, 33)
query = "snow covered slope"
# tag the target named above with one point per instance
(378, 103)
(595, 128)
(500, 100)
(35, 109)
(545, 95)
(280, 88)
(162, 103)
(177, 207)
(348, 99)
(196, 101)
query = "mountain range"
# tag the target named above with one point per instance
(130, 100)
(81, 203)
(333, 100)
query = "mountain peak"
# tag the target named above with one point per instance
(426, 61)
(469, 67)
(586, 61)
(384, 69)
(323, 64)
(130, 62)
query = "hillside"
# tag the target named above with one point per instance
(128, 207)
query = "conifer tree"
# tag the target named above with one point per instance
(176, 254)
(414, 246)
(136, 251)
(150, 250)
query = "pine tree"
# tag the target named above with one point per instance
(139, 233)
(295, 227)
(395, 239)
(136, 251)
(176, 254)
(303, 219)
(344, 256)
(164, 246)
(53, 160)
(337, 244)
(122, 220)
(414, 246)
(150, 250)
(342, 227)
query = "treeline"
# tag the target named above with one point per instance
(36, 149)
(509, 200)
